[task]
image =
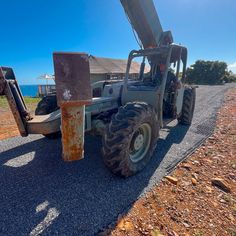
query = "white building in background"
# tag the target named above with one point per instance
(100, 69)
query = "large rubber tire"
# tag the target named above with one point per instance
(188, 106)
(47, 105)
(125, 128)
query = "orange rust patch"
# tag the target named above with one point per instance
(75, 103)
(72, 133)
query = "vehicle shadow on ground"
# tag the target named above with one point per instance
(40, 193)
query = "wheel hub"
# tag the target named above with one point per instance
(139, 141)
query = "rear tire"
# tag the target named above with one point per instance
(130, 139)
(47, 105)
(55, 135)
(188, 106)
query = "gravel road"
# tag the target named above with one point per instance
(41, 194)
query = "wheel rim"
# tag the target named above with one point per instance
(140, 143)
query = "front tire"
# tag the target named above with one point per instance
(130, 139)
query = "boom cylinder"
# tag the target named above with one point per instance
(72, 77)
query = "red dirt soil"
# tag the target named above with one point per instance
(8, 127)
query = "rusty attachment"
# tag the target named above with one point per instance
(9, 87)
(2, 83)
(72, 77)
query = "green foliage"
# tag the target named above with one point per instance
(3, 102)
(209, 72)
(30, 101)
(229, 77)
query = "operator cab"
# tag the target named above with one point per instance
(150, 76)
(159, 81)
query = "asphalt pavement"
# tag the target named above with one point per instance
(40, 194)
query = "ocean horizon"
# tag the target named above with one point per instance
(29, 90)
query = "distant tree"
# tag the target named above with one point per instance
(209, 72)
(229, 77)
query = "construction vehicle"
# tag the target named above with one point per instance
(129, 113)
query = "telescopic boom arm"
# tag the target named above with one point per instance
(144, 20)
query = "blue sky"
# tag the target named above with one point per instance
(31, 30)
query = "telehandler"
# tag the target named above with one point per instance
(129, 113)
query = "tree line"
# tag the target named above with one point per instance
(209, 72)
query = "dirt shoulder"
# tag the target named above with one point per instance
(199, 198)
(8, 127)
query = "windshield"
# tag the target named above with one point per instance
(146, 72)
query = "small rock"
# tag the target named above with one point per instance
(194, 181)
(211, 138)
(186, 166)
(220, 156)
(209, 189)
(150, 227)
(186, 183)
(186, 225)
(174, 218)
(208, 161)
(172, 233)
(216, 158)
(220, 183)
(125, 225)
(232, 175)
(156, 233)
(195, 176)
(173, 180)
(222, 201)
(195, 162)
